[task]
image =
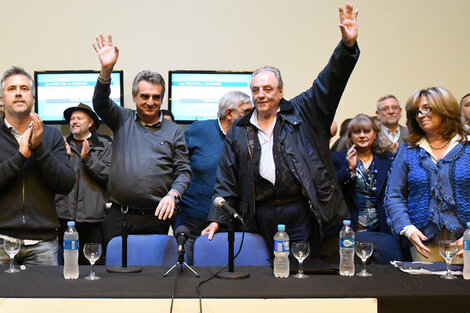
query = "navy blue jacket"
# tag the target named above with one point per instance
(304, 140)
(382, 164)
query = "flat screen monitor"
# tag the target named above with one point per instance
(194, 95)
(59, 90)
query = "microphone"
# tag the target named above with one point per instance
(219, 202)
(181, 234)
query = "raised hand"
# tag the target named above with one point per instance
(348, 24)
(107, 53)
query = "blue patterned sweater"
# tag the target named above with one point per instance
(205, 142)
(428, 195)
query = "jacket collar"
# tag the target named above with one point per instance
(286, 111)
(95, 142)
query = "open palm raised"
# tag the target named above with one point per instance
(107, 52)
(348, 24)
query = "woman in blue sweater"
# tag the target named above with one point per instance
(428, 195)
(205, 141)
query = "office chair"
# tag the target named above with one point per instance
(157, 250)
(215, 253)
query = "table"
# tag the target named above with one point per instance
(389, 289)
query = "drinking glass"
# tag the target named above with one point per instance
(300, 250)
(364, 250)
(448, 249)
(12, 247)
(92, 252)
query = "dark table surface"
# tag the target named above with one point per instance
(396, 291)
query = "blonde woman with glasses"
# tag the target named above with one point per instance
(428, 195)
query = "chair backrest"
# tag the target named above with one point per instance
(158, 250)
(215, 252)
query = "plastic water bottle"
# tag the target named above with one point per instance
(346, 249)
(71, 270)
(466, 252)
(281, 252)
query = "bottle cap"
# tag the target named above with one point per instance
(281, 227)
(71, 224)
(346, 222)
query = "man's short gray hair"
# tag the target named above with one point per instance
(275, 71)
(15, 70)
(149, 76)
(231, 100)
(379, 102)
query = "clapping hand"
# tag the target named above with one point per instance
(37, 130)
(351, 157)
(67, 148)
(25, 148)
(348, 24)
(32, 137)
(85, 149)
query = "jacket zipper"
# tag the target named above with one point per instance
(77, 182)
(250, 147)
(23, 200)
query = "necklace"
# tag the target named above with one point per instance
(441, 147)
(367, 160)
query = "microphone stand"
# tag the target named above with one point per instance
(124, 268)
(231, 274)
(181, 262)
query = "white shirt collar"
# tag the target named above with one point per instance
(14, 131)
(221, 128)
(254, 121)
(424, 144)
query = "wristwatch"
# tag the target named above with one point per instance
(177, 199)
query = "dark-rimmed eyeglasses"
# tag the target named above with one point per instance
(424, 112)
(392, 108)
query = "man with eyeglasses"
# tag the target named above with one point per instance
(150, 169)
(389, 114)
